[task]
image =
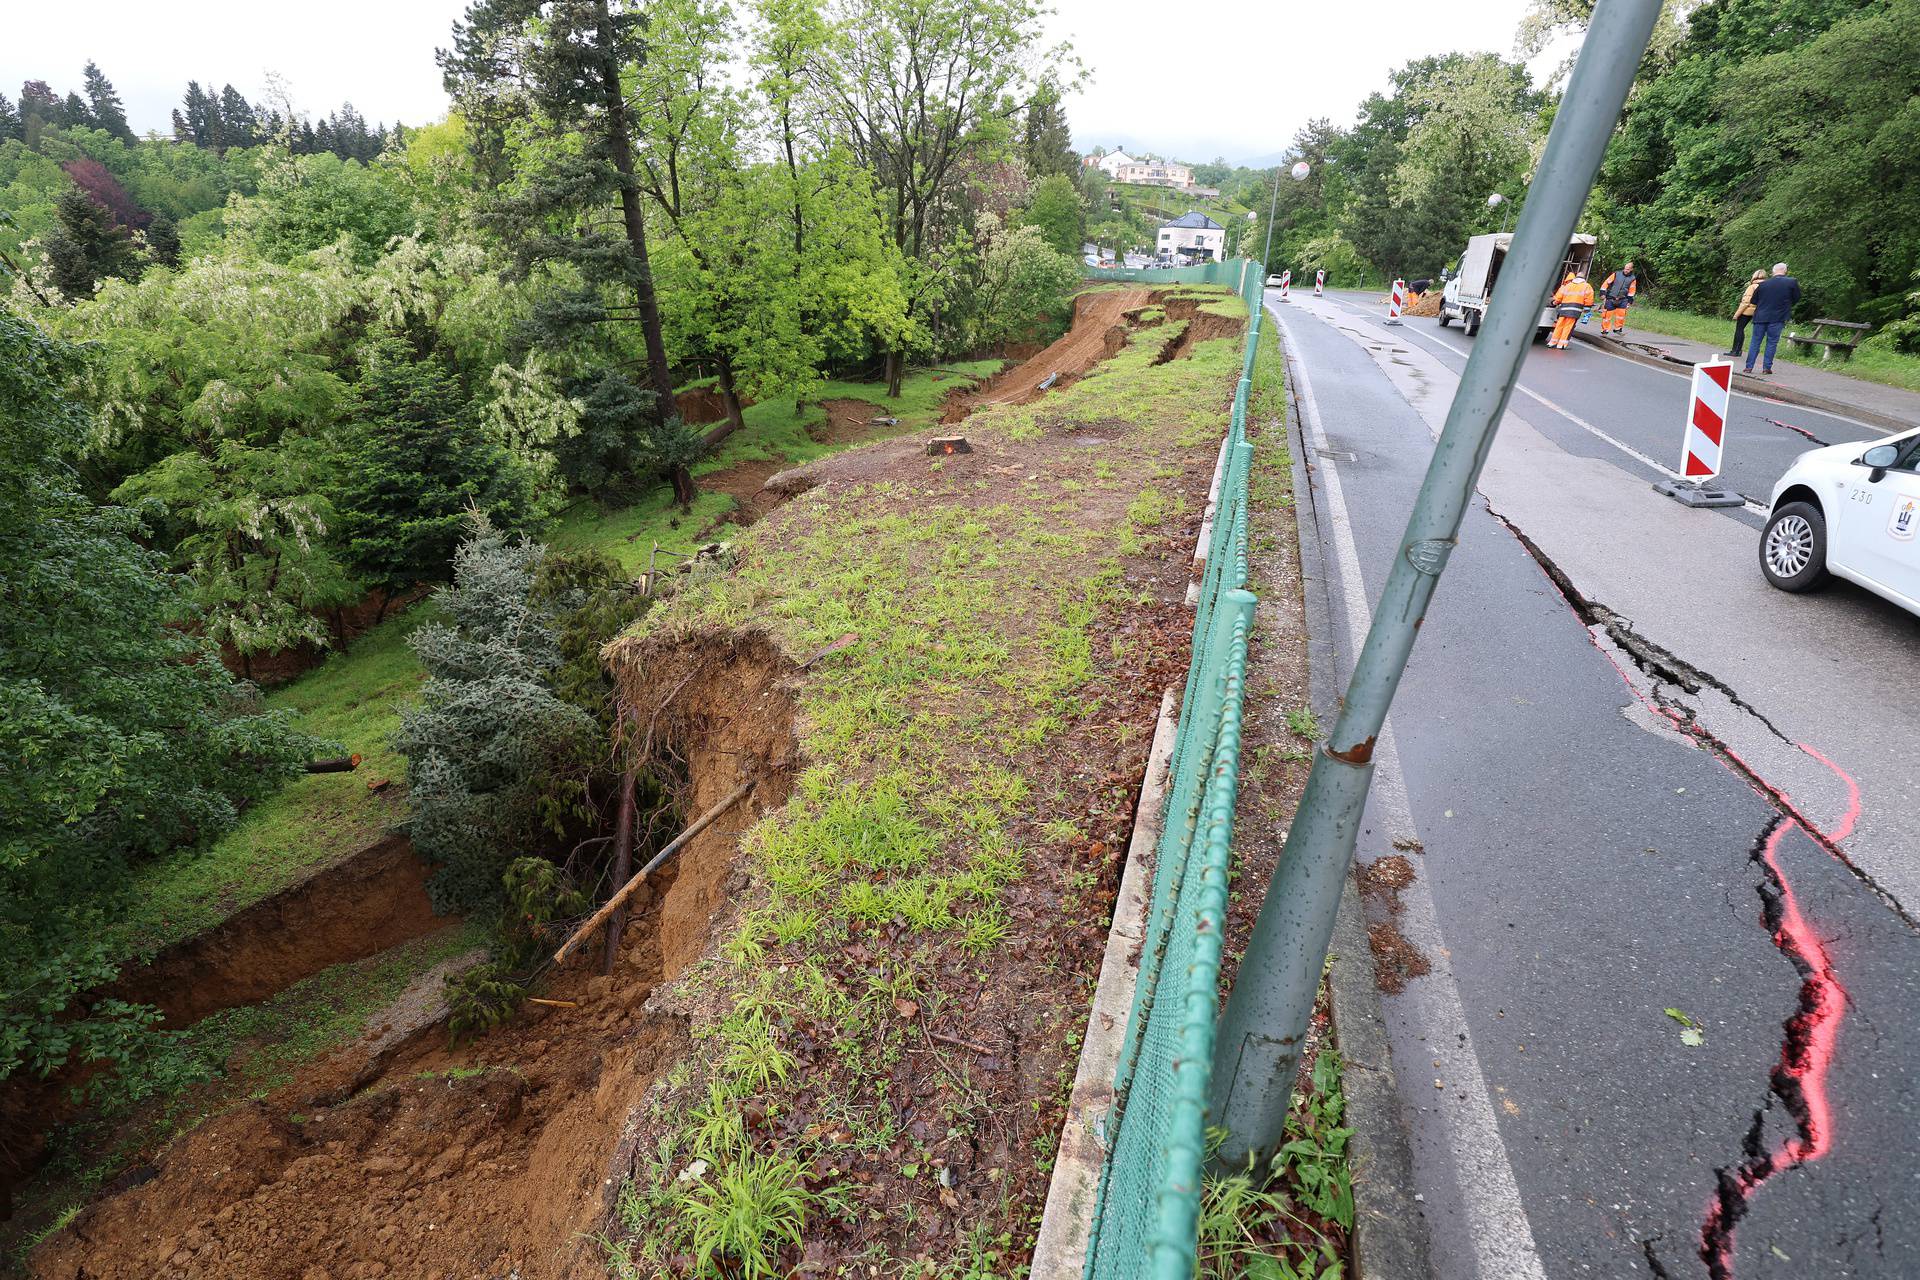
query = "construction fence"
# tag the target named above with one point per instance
(1147, 1211)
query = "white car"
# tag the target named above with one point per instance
(1852, 510)
(1273, 282)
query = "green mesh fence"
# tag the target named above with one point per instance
(1149, 1202)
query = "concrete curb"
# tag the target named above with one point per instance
(1060, 1248)
(1752, 386)
(1390, 1239)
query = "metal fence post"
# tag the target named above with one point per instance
(1257, 1052)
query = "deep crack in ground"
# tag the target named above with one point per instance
(1798, 1080)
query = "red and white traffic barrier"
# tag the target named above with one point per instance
(1286, 279)
(1396, 301)
(1704, 448)
(1319, 283)
(1707, 420)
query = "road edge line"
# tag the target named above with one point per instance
(1066, 1223)
(1389, 1226)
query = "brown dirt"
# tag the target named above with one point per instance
(356, 907)
(1098, 330)
(405, 1156)
(1396, 962)
(848, 421)
(702, 406)
(1382, 880)
(1424, 304)
(1202, 326)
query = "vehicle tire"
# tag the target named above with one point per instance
(1793, 548)
(1471, 323)
(1444, 317)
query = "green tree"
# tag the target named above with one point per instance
(238, 125)
(1022, 279)
(917, 89)
(561, 64)
(106, 108)
(410, 467)
(1048, 144)
(1055, 208)
(490, 748)
(87, 246)
(122, 736)
(310, 202)
(163, 241)
(9, 120)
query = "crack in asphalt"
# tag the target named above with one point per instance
(1798, 1081)
(1664, 667)
(1654, 1264)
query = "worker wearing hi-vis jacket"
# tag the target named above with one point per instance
(1616, 292)
(1569, 300)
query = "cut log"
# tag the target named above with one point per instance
(335, 764)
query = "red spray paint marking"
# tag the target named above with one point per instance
(1806, 1055)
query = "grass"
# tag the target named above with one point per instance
(355, 697)
(1288, 1220)
(1869, 363)
(934, 801)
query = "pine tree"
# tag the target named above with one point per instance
(201, 116)
(87, 246)
(239, 126)
(182, 131)
(163, 241)
(1049, 141)
(74, 113)
(412, 465)
(566, 59)
(108, 111)
(9, 120)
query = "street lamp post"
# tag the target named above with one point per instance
(1495, 201)
(1299, 171)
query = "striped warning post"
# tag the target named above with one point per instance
(1286, 280)
(1319, 282)
(1707, 420)
(1396, 301)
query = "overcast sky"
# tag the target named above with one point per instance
(1231, 78)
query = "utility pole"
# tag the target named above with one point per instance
(1257, 1052)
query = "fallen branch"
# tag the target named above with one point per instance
(958, 1043)
(334, 764)
(625, 891)
(553, 1004)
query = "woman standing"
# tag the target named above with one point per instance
(1743, 314)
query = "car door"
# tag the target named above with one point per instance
(1880, 522)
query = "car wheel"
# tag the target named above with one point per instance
(1444, 317)
(1793, 549)
(1471, 323)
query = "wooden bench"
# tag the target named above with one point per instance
(1850, 335)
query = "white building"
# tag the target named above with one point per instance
(1114, 161)
(1152, 173)
(1193, 235)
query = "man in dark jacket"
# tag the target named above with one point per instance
(1773, 304)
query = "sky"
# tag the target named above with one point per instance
(1232, 78)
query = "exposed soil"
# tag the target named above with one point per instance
(346, 625)
(356, 907)
(1424, 304)
(847, 422)
(1202, 326)
(1382, 880)
(703, 406)
(1099, 329)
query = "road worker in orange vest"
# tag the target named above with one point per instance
(1616, 293)
(1569, 300)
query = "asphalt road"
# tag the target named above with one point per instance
(1630, 777)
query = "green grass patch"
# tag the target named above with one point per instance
(1869, 363)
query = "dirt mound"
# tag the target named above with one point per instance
(488, 1159)
(1099, 329)
(1424, 304)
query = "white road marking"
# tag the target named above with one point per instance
(1502, 1238)
(1758, 509)
(1665, 373)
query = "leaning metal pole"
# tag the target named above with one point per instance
(1258, 1049)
